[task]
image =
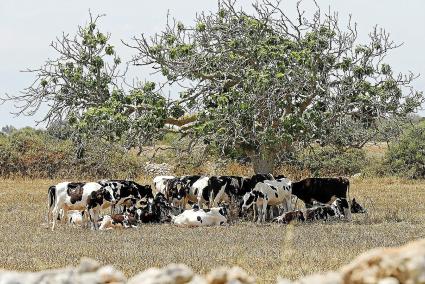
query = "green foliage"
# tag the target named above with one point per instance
(406, 156)
(330, 161)
(261, 83)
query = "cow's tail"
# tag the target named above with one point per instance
(51, 196)
(51, 199)
(348, 196)
(348, 192)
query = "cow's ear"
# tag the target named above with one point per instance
(354, 200)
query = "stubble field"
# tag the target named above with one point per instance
(396, 216)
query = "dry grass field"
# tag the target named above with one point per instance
(396, 215)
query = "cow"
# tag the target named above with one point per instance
(114, 221)
(211, 190)
(356, 207)
(156, 210)
(78, 196)
(338, 209)
(160, 182)
(175, 192)
(76, 218)
(249, 183)
(268, 193)
(322, 190)
(290, 216)
(127, 192)
(197, 217)
(194, 186)
(191, 192)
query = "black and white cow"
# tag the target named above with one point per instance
(250, 182)
(211, 191)
(160, 183)
(78, 196)
(155, 210)
(356, 207)
(175, 192)
(197, 217)
(127, 192)
(268, 193)
(337, 210)
(323, 190)
(76, 218)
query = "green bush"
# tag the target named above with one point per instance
(406, 157)
(329, 161)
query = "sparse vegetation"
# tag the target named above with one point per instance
(34, 153)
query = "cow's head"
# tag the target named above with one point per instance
(248, 199)
(108, 194)
(342, 207)
(178, 191)
(145, 191)
(356, 207)
(95, 198)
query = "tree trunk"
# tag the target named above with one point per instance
(263, 161)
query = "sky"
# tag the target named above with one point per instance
(27, 27)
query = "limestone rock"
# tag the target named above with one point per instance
(171, 274)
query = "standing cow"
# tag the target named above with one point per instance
(323, 190)
(78, 196)
(268, 193)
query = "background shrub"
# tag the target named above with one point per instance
(329, 161)
(406, 157)
(34, 153)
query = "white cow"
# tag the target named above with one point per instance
(160, 183)
(76, 218)
(268, 192)
(78, 196)
(199, 217)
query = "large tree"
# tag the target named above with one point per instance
(265, 82)
(261, 82)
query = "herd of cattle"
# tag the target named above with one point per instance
(271, 199)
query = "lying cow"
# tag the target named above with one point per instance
(76, 218)
(356, 207)
(78, 196)
(322, 190)
(268, 193)
(291, 216)
(109, 222)
(338, 209)
(201, 217)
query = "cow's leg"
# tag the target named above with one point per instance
(260, 213)
(55, 212)
(200, 201)
(288, 204)
(49, 216)
(255, 209)
(95, 218)
(262, 218)
(65, 216)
